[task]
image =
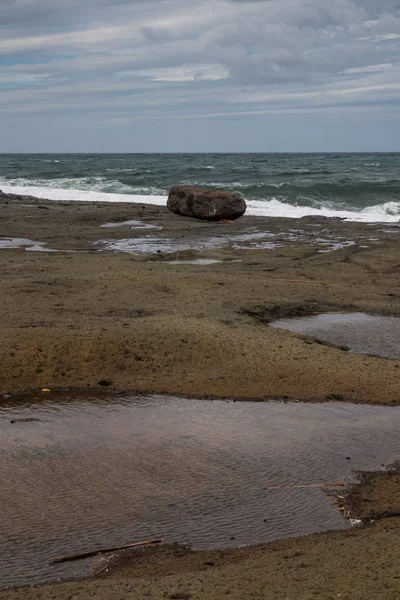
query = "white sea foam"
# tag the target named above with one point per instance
(71, 195)
(82, 184)
(380, 213)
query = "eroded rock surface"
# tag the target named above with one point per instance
(209, 205)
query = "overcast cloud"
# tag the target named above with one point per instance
(199, 75)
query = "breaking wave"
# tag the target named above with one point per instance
(387, 212)
(363, 187)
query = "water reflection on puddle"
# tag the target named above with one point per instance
(131, 223)
(251, 240)
(152, 244)
(199, 261)
(366, 334)
(29, 245)
(102, 471)
(330, 246)
(195, 261)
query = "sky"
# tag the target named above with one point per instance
(199, 75)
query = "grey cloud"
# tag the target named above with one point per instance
(165, 58)
(154, 35)
(50, 16)
(37, 15)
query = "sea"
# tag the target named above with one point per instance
(358, 187)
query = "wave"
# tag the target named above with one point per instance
(388, 212)
(388, 208)
(131, 170)
(346, 188)
(201, 167)
(297, 172)
(90, 184)
(346, 194)
(74, 195)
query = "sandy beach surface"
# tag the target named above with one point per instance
(85, 314)
(102, 307)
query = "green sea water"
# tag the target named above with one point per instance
(365, 185)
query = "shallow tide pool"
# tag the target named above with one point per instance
(98, 471)
(359, 332)
(29, 245)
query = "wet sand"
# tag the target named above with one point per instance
(85, 317)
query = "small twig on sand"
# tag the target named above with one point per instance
(309, 485)
(102, 569)
(101, 550)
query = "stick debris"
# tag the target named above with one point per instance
(100, 551)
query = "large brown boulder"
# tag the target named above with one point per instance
(209, 205)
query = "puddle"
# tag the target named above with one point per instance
(29, 245)
(251, 240)
(199, 261)
(366, 334)
(132, 224)
(152, 244)
(195, 261)
(99, 471)
(261, 245)
(333, 246)
(328, 245)
(40, 248)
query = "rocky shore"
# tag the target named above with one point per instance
(82, 315)
(104, 307)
